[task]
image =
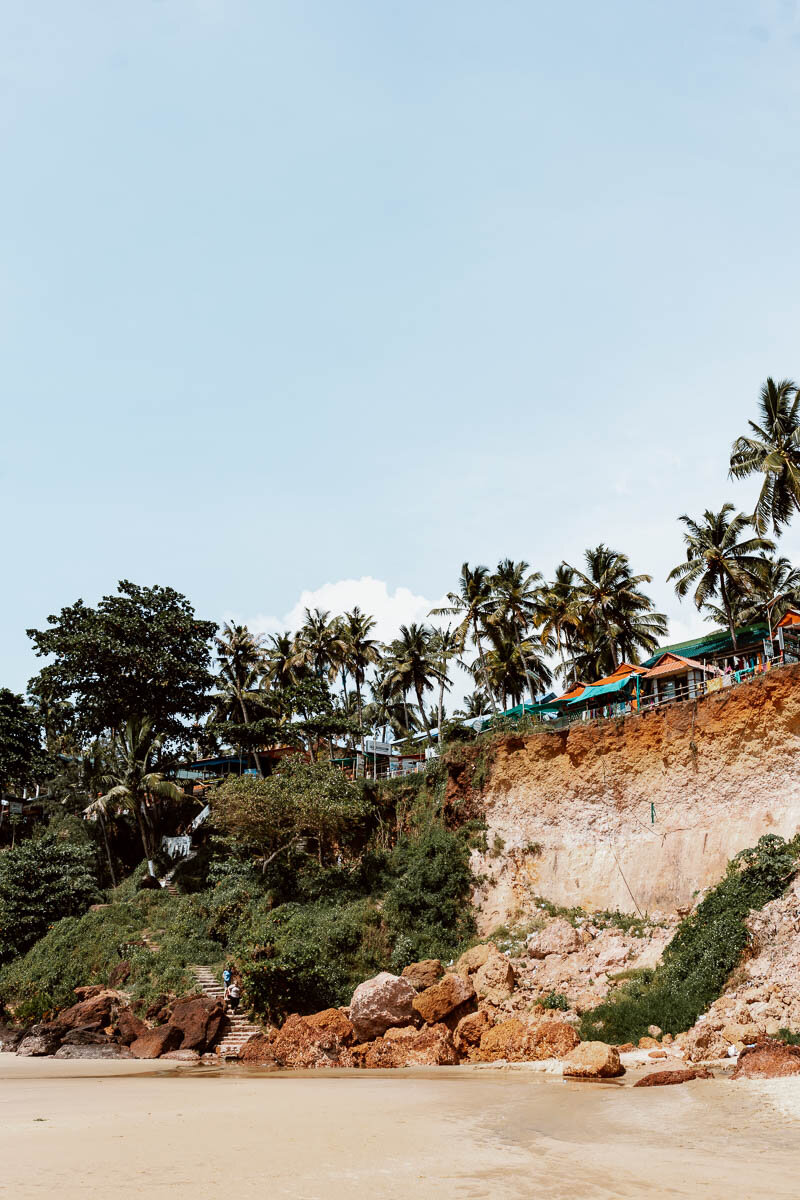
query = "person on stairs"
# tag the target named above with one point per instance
(233, 995)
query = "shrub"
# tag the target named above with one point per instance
(554, 1000)
(701, 956)
(40, 881)
(427, 909)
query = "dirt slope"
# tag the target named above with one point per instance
(570, 816)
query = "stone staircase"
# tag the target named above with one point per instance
(241, 1030)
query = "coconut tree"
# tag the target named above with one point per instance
(444, 648)
(776, 590)
(610, 609)
(516, 591)
(318, 646)
(360, 652)
(242, 663)
(556, 614)
(474, 705)
(719, 562)
(132, 785)
(283, 665)
(772, 449)
(473, 602)
(412, 664)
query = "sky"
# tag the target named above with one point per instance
(310, 302)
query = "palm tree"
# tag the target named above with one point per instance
(241, 665)
(473, 603)
(444, 647)
(556, 614)
(283, 665)
(516, 594)
(318, 646)
(772, 450)
(474, 705)
(718, 562)
(360, 652)
(510, 665)
(132, 786)
(412, 664)
(777, 589)
(609, 602)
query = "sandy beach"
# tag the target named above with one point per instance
(93, 1130)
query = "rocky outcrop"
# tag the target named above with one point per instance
(557, 937)
(302, 1044)
(679, 1075)
(431, 1046)
(494, 981)
(258, 1050)
(129, 1027)
(38, 1045)
(470, 1030)
(769, 1060)
(104, 1051)
(474, 958)
(515, 1040)
(451, 995)
(425, 974)
(593, 1060)
(200, 1021)
(380, 1003)
(155, 1042)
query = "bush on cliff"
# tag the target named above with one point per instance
(701, 956)
(427, 908)
(42, 880)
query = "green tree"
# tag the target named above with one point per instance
(719, 562)
(140, 653)
(516, 592)
(42, 880)
(360, 652)
(412, 665)
(22, 759)
(319, 646)
(444, 649)
(241, 664)
(473, 603)
(773, 450)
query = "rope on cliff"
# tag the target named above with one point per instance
(627, 885)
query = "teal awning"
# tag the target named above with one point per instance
(603, 689)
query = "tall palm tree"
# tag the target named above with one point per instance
(360, 652)
(318, 646)
(132, 786)
(512, 664)
(474, 705)
(556, 614)
(516, 592)
(777, 588)
(718, 562)
(473, 603)
(412, 663)
(609, 601)
(282, 663)
(772, 450)
(241, 664)
(444, 648)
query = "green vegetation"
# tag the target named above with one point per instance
(40, 881)
(554, 1000)
(701, 956)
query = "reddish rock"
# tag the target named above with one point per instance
(258, 1049)
(680, 1075)
(450, 995)
(515, 1041)
(494, 981)
(119, 974)
(593, 1060)
(334, 1021)
(470, 1030)
(767, 1060)
(91, 1012)
(425, 974)
(657, 1054)
(85, 1037)
(155, 1042)
(475, 957)
(553, 1039)
(431, 1046)
(129, 1027)
(200, 1020)
(301, 1045)
(557, 937)
(625, 1048)
(380, 1003)
(186, 1056)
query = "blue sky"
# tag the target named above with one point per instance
(335, 295)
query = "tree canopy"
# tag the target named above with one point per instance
(22, 759)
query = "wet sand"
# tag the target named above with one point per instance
(95, 1130)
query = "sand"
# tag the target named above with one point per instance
(102, 1130)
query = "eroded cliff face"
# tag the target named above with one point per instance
(572, 810)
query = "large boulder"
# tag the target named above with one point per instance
(38, 1045)
(129, 1027)
(475, 957)
(155, 1042)
(200, 1021)
(451, 995)
(494, 981)
(258, 1049)
(593, 1060)
(302, 1045)
(557, 937)
(425, 974)
(109, 1050)
(743, 1032)
(380, 1003)
(469, 1031)
(335, 1022)
(516, 1041)
(703, 1043)
(93, 1011)
(85, 1037)
(767, 1060)
(679, 1075)
(431, 1046)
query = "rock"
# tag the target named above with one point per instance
(109, 1050)
(301, 1045)
(648, 1043)
(156, 1008)
(9, 1040)
(258, 1049)
(155, 1042)
(679, 1075)
(199, 1020)
(431, 1046)
(593, 1060)
(516, 1041)
(475, 957)
(119, 974)
(657, 1054)
(557, 937)
(334, 1021)
(767, 1060)
(38, 1045)
(625, 1048)
(702, 1043)
(187, 1056)
(380, 1003)
(450, 995)
(425, 974)
(93, 1011)
(655, 1031)
(470, 1030)
(494, 981)
(736, 1032)
(129, 1027)
(85, 1037)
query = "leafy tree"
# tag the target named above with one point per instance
(22, 759)
(360, 652)
(772, 450)
(42, 880)
(444, 648)
(140, 653)
(411, 665)
(241, 666)
(718, 562)
(516, 592)
(473, 603)
(427, 908)
(298, 801)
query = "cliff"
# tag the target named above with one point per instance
(569, 814)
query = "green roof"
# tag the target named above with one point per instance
(712, 643)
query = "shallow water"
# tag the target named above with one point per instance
(96, 1130)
